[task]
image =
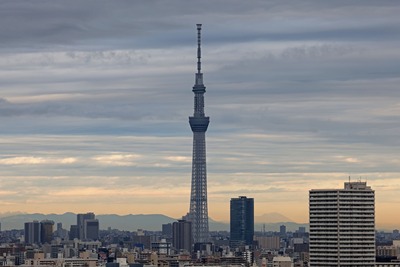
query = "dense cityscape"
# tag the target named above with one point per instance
(47, 243)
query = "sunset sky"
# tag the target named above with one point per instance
(95, 98)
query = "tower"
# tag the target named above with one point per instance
(80, 222)
(242, 222)
(46, 231)
(182, 235)
(198, 213)
(32, 232)
(91, 229)
(342, 226)
(282, 230)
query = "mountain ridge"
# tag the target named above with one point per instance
(133, 222)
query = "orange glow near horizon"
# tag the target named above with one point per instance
(385, 217)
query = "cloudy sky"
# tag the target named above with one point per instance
(95, 98)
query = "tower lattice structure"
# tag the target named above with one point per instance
(198, 213)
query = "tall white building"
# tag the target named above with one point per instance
(342, 226)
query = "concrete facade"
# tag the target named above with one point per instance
(342, 226)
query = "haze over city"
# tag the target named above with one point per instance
(95, 98)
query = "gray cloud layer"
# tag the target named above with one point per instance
(299, 93)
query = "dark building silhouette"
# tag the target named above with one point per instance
(167, 230)
(32, 232)
(46, 231)
(282, 230)
(73, 232)
(141, 241)
(91, 229)
(242, 222)
(182, 235)
(80, 222)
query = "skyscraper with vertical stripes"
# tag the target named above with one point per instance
(198, 212)
(241, 222)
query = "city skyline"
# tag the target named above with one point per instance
(94, 99)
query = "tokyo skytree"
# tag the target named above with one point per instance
(198, 213)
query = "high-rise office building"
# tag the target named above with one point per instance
(342, 226)
(282, 230)
(91, 229)
(80, 222)
(182, 235)
(198, 212)
(301, 230)
(32, 232)
(46, 231)
(167, 230)
(38, 232)
(242, 222)
(61, 232)
(73, 232)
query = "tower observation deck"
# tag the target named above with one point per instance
(198, 213)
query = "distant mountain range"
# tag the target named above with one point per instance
(272, 217)
(131, 222)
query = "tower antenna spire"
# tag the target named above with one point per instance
(198, 48)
